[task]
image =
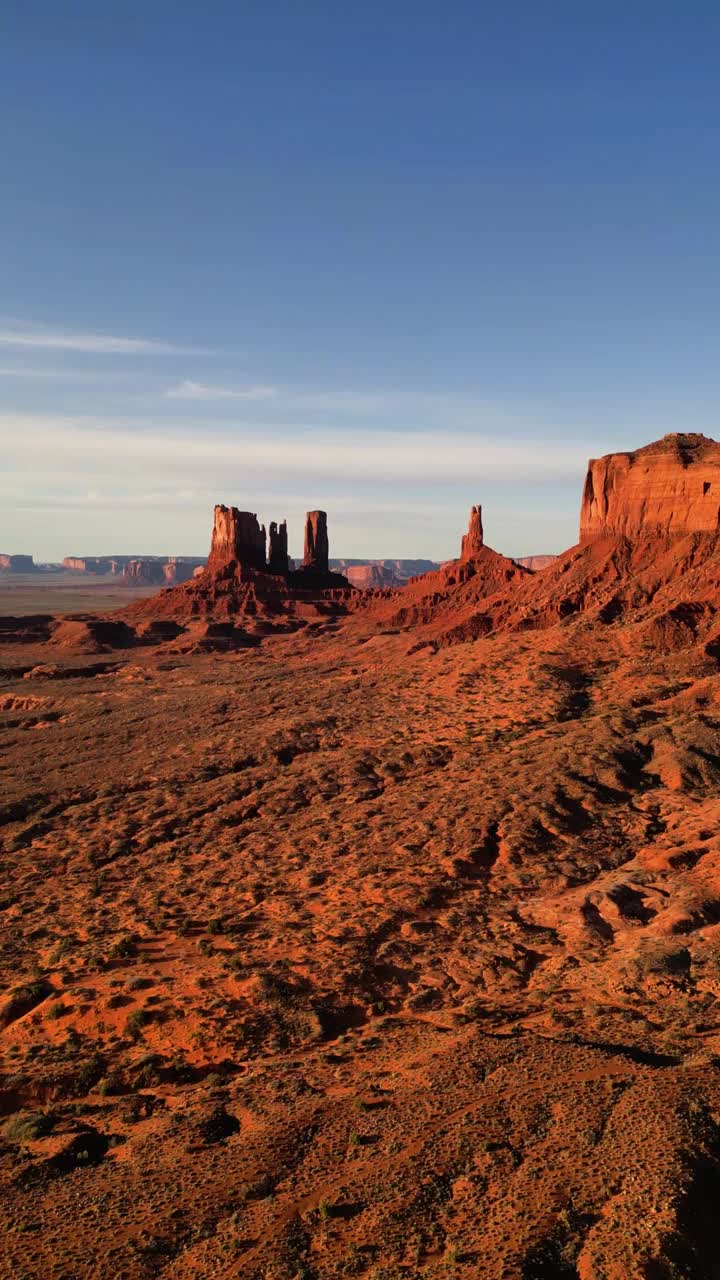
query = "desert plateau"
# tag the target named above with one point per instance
(372, 932)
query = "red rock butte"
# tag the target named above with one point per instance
(671, 486)
(238, 541)
(239, 581)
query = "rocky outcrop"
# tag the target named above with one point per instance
(669, 487)
(278, 561)
(472, 541)
(17, 564)
(238, 541)
(317, 548)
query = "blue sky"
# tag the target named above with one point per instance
(388, 259)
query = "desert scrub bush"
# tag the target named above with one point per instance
(23, 999)
(28, 1126)
(63, 948)
(57, 1010)
(148, 1071)
(125, 948)
(117, 1000)
(136, 1020)
(89, 1072)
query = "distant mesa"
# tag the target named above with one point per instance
(158, 573)
(374, 574)
(89, 564)
(176, 570)
(137, 571)
(143, 573)
(669, 487)
(17, 564)
(535, 563)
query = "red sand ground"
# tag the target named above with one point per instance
(370, 949)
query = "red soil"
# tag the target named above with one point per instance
(386, 946)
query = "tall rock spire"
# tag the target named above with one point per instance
(317, 548)
(473, 540)
(278, 548)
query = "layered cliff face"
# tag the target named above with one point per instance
(669, 487)
(472, 541)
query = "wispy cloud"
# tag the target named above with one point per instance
(188, 390)
(255, 449)
(35, 374)
(30, 336)
(102, 482)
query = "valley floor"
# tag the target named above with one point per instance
(326, 958)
